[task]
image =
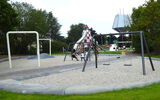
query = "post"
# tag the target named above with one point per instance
(148, 53)
(65, 55)
(50, 50)
(87, 55)
(95, 51)
(142, 51)
(86, 59)
(38, 52)
(66, 51)
(9, 52)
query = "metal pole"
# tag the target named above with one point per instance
(121, 33)
(65, 55)
(142, 51)
(50, 48)
(86, 60)
(66, 51)
(24, 32)
(50, 52)
(95, 50)
(87, 55)
(9, 52)
(38, 53)
(145, 42)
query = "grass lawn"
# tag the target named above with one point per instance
(58, 53)
(156, 56)
(111, 52)
(151, 92)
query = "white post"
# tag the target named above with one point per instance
(23, 32)
(50, 48)
(9, 52)
(38, 52)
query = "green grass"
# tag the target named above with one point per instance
(156, 56)
(151, 92)
(60, 53)
(152, 56)
(111, 52)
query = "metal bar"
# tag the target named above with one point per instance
(148, 53)
(49, 44)
(121, 33)
(50, 48)
(20, 32)
(87, 55)
(38, 52)
(124, 42)
(9, 52)
(66, 52)
(142, 51)
(65, 56)
(95, 51)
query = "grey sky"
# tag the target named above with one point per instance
(98, 14)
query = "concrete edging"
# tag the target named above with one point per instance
(27, 88)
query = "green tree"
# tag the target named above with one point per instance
(8, 17)
(32, 19)
(53, 27)
(39, 20)
(146, 18)
(75, 32)
(8, 21)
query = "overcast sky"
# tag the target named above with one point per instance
(98, 14)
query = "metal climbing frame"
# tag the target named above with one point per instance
(143, 40)
(49, 44)
(22, 32)
(66, 52)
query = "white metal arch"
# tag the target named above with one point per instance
(22, 32)
(49, 44)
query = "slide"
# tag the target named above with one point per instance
(84, 33)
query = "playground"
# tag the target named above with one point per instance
(98, 71)
(91, 62)
(54, 72)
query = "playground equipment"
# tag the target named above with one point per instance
(142, 38)
(84, 34)
(49, 44)
(22, 32)
(83, 43)
(66, 51)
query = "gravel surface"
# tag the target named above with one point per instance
(115, 74)
(54, 72)
(25, 64)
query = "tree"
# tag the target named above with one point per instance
(75, 32)
(8, 21)
(32, 19)
(8, 17)
(146, 18)
(53, 27)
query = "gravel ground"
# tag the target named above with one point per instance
(25, 64)
(115, 74)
